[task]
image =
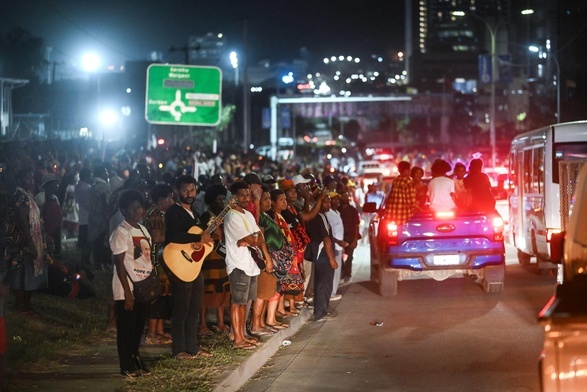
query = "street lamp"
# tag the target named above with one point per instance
(234, 63)
(541, 54)
(492, 32)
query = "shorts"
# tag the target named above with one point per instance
(243, 288)
(266, 285)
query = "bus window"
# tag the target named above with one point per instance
(527, 171)
(538, 170)
(567, 152)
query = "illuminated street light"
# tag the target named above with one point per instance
(542, 54)
(91, 62)
(234, 63)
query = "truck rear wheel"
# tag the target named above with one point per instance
(493, 279)
(387, 282)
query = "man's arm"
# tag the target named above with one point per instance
(329, 253)
(308, 216)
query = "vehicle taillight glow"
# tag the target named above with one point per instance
(444, 214)
(550, 232)
(497, 229)
(392, 233)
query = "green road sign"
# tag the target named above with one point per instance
(183, 95)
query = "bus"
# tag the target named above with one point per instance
(535, 194)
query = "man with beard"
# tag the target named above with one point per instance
(187, 296)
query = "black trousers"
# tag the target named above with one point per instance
(347, 266)
(130, 325)
(185, 316)
(323, 278)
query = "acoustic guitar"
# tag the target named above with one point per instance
(184, 260)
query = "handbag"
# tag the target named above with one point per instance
(147, 290)
(257, 255)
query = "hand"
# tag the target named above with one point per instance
(305, 192)
(129, 302)
(269, 266)
(344, 244)
(241, 242)
(256, 191)
(333, 264)
(206, 238)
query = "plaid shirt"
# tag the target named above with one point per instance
(401, 201)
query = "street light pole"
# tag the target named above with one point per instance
(492, 33)
(538, 49)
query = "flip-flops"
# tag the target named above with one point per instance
(263, 332)
(245, 346)
(278, 326)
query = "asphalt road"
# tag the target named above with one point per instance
(433, 336)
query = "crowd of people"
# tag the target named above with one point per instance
(231, 236)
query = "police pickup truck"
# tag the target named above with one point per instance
(438, 245)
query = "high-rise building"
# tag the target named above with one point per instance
(447, 38)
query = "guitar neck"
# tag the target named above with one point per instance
(218, 219)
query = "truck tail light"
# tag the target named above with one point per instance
(391, 233)
(497, 229)
(550, 232)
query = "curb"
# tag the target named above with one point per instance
(238, 377)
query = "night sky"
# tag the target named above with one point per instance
(122, 30)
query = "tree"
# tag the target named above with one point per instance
(21, 54)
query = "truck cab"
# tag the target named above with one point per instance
(563, 361)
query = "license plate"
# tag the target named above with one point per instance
(446, 260)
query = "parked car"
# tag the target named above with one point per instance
(563, 362)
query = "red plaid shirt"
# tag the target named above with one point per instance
(401, 201)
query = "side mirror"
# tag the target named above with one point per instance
(370, 207)
(557, 247)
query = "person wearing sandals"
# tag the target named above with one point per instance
(130, 264)
(265, 306)
(241, 233)
(162, 198)
(216, 286)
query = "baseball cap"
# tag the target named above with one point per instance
(299, 179)
(284, 185)
(252, 178)
(333, 194)
(268, 179)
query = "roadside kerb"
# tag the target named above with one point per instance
(233, 380)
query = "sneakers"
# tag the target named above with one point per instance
(335, 297)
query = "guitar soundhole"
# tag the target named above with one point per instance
(197, 254)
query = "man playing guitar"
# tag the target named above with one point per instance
(187, 296)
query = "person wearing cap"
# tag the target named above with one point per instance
(321, 252)
(269, 181)
(305, 197)
(336, 223)
(441, 189)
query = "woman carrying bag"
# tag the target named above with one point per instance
(131, 247)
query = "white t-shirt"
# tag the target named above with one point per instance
(238, 225)
(337, 226)
(135, 244)
(439, 194)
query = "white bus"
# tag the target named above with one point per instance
(534, 191)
